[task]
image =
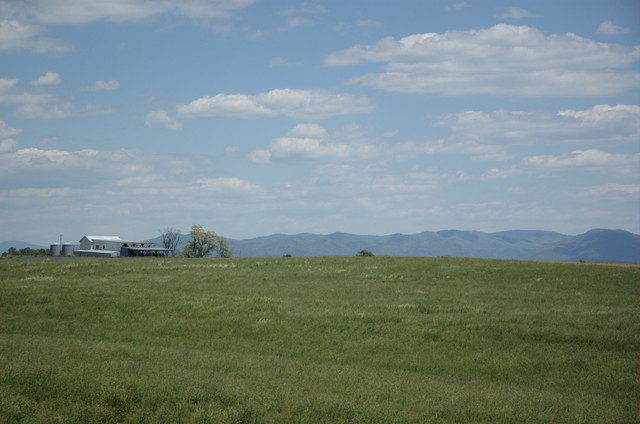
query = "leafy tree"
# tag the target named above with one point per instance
(203, 243)
(364, 253)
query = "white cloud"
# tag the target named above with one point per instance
(516, 13)
(600, 124)
(50, 78)
(613, 191)
(502, 60)
(101, 85)
(82, 11)
(162, 117)
(308, 130)
(459, 6)
(25, 21)
(226, 185)
(7, 131)
(592, 159)
(47, 111)
(15, 35)
(260, 156)
(610, 28)
(8, 145)
(39, 104)
(10, 93)
(58, 111)
(312, 142)
(297, 104)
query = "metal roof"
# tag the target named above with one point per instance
(106, 238)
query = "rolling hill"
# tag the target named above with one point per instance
(611, 246)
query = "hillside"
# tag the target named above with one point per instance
(606, 246)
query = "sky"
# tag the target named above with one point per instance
(256, 117)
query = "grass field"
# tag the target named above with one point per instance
(318, 340)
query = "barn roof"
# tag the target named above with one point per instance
(106, 238)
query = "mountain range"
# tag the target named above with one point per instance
(599, 245)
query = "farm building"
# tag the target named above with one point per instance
(113, 246)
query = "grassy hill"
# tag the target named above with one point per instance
(317, 340)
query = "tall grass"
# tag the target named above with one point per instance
(317, 340)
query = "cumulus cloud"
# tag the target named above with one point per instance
(308, 130)
(16, 35)
(592, 159)
(10, 93)
(602, 123)
(50, 78)
(297, 104)
(307, 142)
(8, 145)
(101, 85)
(610, 28)
(130, 183)
(7, 131)
(162, 117)
(26, 21)
(39, 104)
(502, 60)
(81, 11)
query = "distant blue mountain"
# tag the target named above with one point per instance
(604, 246)
(607, 246)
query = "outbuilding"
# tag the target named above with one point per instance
(113, 246)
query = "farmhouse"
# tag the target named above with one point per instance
(113, 246)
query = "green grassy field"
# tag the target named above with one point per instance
(318, 340)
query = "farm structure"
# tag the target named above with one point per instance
(113, 246)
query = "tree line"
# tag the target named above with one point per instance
(27, 251)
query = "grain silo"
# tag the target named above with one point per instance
(67, 249)
(55, 249)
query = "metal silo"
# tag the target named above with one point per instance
(55, 249)
(67, 249)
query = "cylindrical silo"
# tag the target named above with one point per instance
(55, 249)
(67, 249)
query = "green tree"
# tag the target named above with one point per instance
(204, 242)
(364, 253)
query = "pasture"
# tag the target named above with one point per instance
(318, 340)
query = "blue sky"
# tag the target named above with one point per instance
(123, 117)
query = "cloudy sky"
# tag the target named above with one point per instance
(254, 117)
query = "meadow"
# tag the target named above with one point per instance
(318, 340)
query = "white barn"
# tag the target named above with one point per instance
(113, 246)
(108, 246)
